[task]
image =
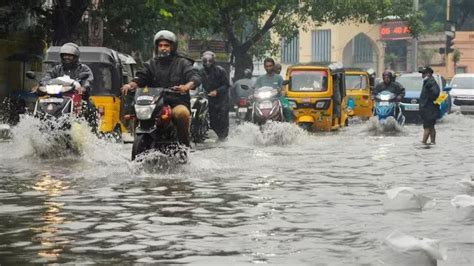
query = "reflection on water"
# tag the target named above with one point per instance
(274, 195)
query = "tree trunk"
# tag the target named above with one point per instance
(242, 60)
(66, 20)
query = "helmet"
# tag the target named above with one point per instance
(388, 73)
(425, 69)
(208, 58)
(248, 73)
(70, 48)
(167, 36)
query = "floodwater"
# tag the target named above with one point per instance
(277, 196)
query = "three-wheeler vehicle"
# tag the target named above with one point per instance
(317, 95)
(359, 85)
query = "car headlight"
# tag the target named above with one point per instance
(144, 112)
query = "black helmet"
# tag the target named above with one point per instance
(248, 73)
(425, 69)
(72, 49)
(167, 36)
(208, 58)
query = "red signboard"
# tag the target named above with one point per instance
(395, 30)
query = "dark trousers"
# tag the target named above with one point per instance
(219, 116)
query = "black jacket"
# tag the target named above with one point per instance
(215, 78)
(429, 93)
(169, 72)
(393, 87)
(72, 72)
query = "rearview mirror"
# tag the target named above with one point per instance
(447, 88)
(286, 82)
(30, 75)
(244, 87)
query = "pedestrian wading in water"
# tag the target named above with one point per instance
(429, 110)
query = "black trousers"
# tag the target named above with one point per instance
(219, 116)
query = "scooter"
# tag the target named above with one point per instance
(59, 101)
(266, 106)
(199, 116)
(386, 107)
(156, 130)
(243, 107)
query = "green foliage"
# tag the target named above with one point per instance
(434, 14)
(456, 56)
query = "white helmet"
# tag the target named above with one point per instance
(165, 35)
(70, 48)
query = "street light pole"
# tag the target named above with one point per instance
(446, 54)
(415, 42)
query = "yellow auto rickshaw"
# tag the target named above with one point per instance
(317, 95)
(111, 69)
(359, 84)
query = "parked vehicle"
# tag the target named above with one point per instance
(317, 94)
(266, 106)
(386, 108)
(199, 116)
(359, 85)
(111, 69)
(462, 92)
(243, 105)
(413, 83)
(156, 130)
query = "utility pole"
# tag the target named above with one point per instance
(415, 42)
(446, 54)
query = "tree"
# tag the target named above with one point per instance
(130, 25)
(231, 19)
(434, 14)
(63, 18)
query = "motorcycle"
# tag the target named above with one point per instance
(156, 130)
(59, 100)
(386, 107)
(266, 106)
(243, 107)
(199, 116)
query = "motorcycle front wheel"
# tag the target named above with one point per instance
(141, 143)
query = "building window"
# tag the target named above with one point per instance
(290, 50)
(321, 40)
(363, 52)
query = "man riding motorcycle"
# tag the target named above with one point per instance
(215, 82)
(167, 69)
(389, 84)
(71, 66)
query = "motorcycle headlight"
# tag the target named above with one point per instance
(144, 112)
(264, 94)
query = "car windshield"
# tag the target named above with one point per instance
(354, 81)
(411, 83)
(308, 81)
(463, 83)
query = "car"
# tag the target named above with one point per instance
(413, 83)
(462, 92)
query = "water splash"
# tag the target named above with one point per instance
(272, 133)
(390, 127)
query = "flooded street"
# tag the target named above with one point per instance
(279, 197)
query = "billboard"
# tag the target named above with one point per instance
(395, 30)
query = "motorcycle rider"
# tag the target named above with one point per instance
(389, 84)
(168, 69)
(215, 82)
(71, 66)
(270, 79)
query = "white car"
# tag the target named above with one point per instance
(462, 92)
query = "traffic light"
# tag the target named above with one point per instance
(449, 43)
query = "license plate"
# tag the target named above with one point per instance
(242, 110)
(384, 103)
(412, 107)
(51, 100)
(265, 105)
